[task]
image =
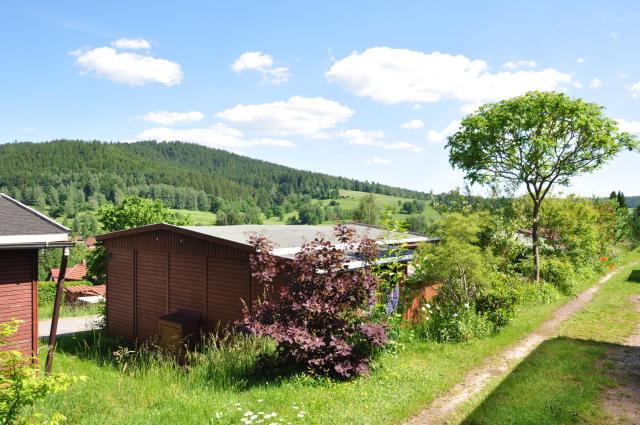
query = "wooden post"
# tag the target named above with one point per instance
(56, 310)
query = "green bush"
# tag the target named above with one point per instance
(453, 324)
(559, 273)
(498, 303)
(534, 293)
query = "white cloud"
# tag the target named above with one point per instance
(441, 136)
(412, 125)
(394, 76)
(297, 115)
(632, 127)
(356, 136)
(173, 118)
(128, 68)
(378, 161)
(28, 129)
(635, 89)
(131, 43)
(595, 83)
(402, 146)
(217, 136)
(518, 64)
(580, 60)
(263, 63)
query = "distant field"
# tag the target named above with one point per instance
(348, 200)
(199, 218)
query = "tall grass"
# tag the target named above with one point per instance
(228, 362)
(220, 361)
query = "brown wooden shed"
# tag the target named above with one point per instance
(160, 269)
(23, 231)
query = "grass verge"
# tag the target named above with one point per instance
(562, 381)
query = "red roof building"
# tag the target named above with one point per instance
(77, 272)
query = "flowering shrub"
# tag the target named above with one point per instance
(320, 319)
(451, 324)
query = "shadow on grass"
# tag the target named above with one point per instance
(634, 276)
(560, 382)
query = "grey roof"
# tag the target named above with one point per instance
(293, 236)
(20, 224)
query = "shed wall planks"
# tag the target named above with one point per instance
(187, 284)
(19, 297)
(172, 272)
(120, 302)
(151, 292)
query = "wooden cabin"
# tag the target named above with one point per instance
(23, 231)
(160, 269)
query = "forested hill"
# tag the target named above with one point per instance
(183, 175)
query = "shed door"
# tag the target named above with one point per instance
(120, 293)
(151, 292)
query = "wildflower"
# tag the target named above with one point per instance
(260, 400)
(466, 305)
(455, 314)
(423, 308)
(392, 301)
(429, 306)
(300, 415)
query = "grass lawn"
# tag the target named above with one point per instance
(200, 218)
(563, 380)
(399, 386)
(46, 310)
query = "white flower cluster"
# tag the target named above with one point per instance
(261, 417)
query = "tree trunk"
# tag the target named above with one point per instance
(535, 240)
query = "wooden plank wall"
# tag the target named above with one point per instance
(170, 272)
(151, 292)
(120, 295)
(19, 297)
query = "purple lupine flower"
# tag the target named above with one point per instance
(392, 301)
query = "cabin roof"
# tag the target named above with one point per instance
(287, 239)
(22, 227)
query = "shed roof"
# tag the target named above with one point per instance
(22, 226)
(286, 238)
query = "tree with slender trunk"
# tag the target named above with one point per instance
(537, 140)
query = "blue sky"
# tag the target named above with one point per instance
(362, 89)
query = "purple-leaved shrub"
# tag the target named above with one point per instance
(320, 318)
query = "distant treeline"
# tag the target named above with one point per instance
(66, 177)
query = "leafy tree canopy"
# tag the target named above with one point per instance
(135, 211)
(538, 139)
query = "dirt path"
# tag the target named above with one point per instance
(477, 379)
(69, 325)
(621, 402)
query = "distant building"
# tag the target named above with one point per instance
(23, 231)
(75, 273)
